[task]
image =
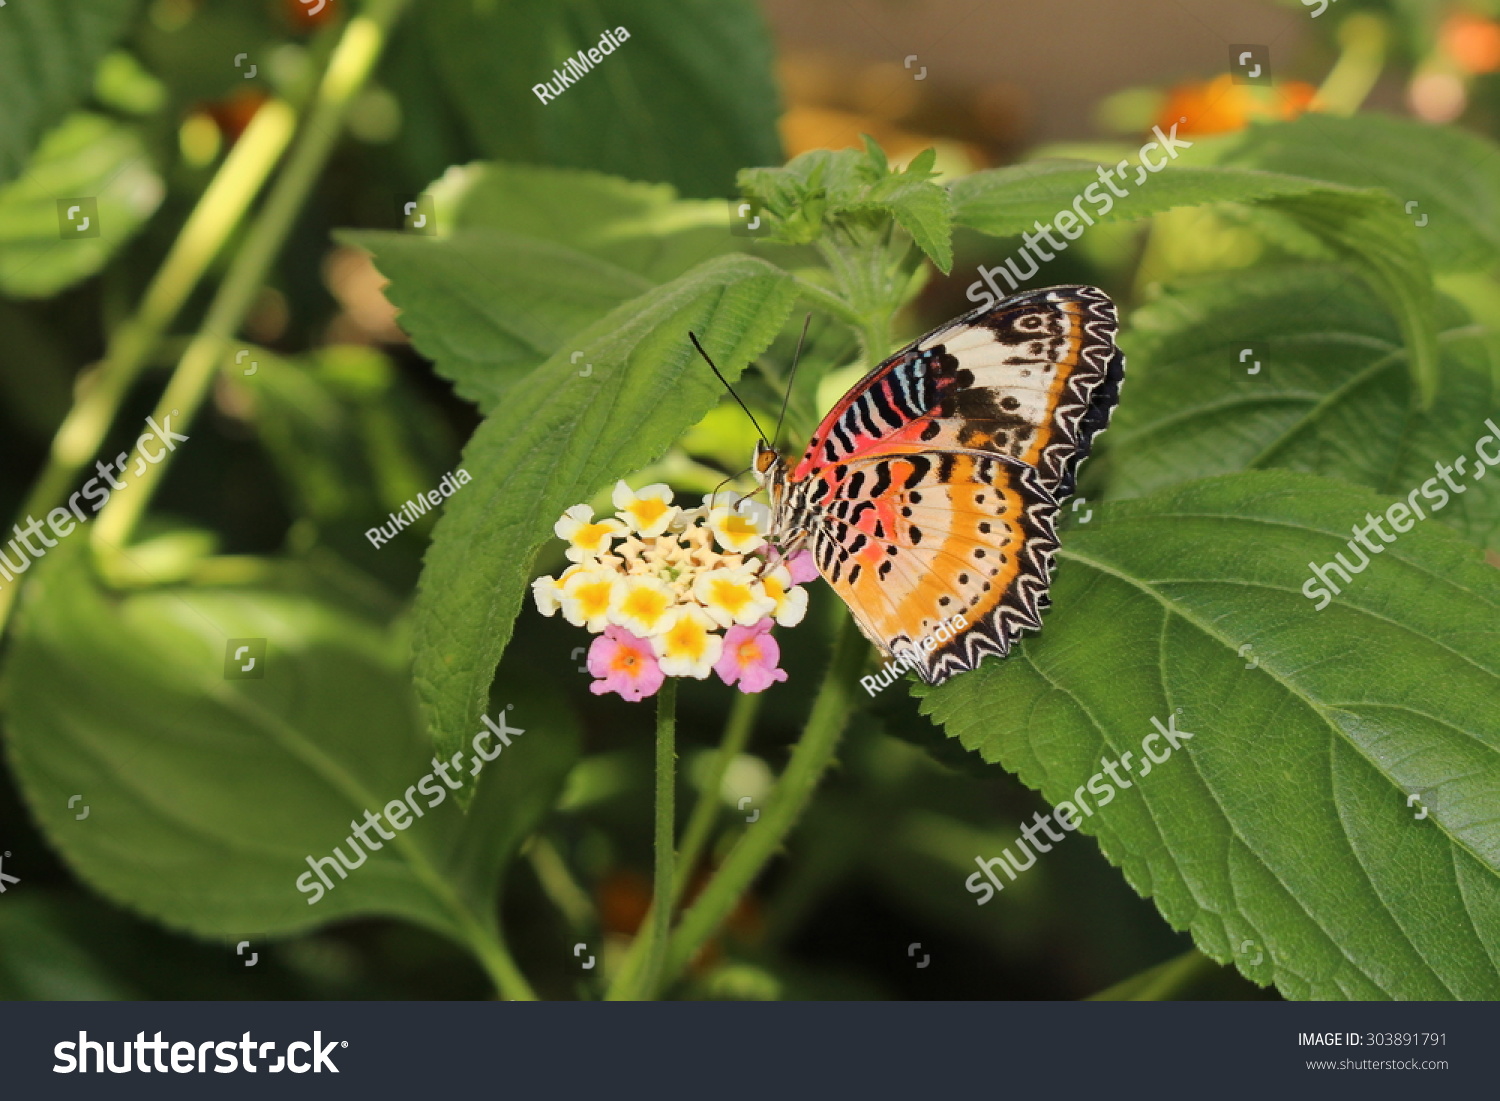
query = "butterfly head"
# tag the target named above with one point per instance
(771, 474)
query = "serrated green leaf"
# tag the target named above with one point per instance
(535, 256)
(687, 99)
(557, 441)
(1330, 392)
(823, 184)
(486, 306)
(88, 157)
(1450, 177)
(1284, 824)
(646, 229)
(207, 795)
(1005, 202)
(47, 56)
(1365, 229)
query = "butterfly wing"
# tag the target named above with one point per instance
(942, 556)
(1034, 378)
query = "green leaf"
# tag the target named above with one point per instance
(486, 307)
(686, 99)
(1330, 393)
(1364, 229)
(823, 185)
(47, 56)
(208, 795)
(1005, 202)
(1450, 176)
(559, 441)
(536, 256)
(646, 229)
(86, 159)
(1281, 834)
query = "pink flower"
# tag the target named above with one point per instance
(801, 567)
(624, 664)
(750, 657)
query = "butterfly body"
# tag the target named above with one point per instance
(929, 494)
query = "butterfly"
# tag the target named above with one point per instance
(929, 494)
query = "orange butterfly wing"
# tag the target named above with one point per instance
(930, 492)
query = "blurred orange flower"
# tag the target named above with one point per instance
(1220, 105)
(1472, 41)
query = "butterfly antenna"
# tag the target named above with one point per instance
(694, 338)
(714, 495)
(791, 377)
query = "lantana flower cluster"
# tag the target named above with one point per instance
(675, 592)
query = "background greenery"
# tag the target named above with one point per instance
(248, 222)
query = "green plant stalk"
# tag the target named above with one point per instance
(220, 210)
(1363, 40)
(814, 752)
(736, 734)
(666, 829)
(1163, 982)
(737, 730)
(349, 67)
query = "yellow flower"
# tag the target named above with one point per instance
(650, 512)
(733, 596)
(790, 601)
(734, 521)
(588, 596)
(587, 538)
(643, 605)
(686, 645)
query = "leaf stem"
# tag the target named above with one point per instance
(350, 65)
(810, 759)
(737, 729)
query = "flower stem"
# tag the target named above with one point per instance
(810, 759)
(666, 823)
(736, 736)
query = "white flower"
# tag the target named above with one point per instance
(790, 600)
(588, 596)
(587, 538)
(687, 645)
(547, 594)
(737, 522)
(643, 605)
(649, 512)
(733, 595)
